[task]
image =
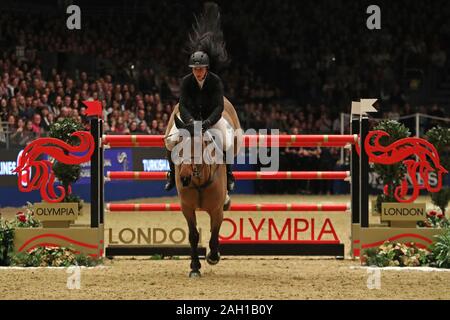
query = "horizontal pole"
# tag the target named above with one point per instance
(280, 248)
(240, 175)
(290, 207)
(285, 140)
(145, 250)
(236, 248)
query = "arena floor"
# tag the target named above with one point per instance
(233, 277)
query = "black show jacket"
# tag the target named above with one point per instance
(201, 103)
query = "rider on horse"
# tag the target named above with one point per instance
(202, 97)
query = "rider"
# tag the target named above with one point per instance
(201, 98)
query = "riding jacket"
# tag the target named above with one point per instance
(204, 103)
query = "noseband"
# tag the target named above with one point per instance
(196, 168)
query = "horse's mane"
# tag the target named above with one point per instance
(207, 36)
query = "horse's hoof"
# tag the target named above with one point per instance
(227, 204)
(212, 261)
(194, 274)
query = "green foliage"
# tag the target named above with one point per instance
(66, 173)
(53, 257)
(434, 220)
(390, 175)
(392, 254)
(6, 242)
(381, 198)
(24, 220)
(440, 138)
(441, 198)
(440, 250)
(63, 129)
(399, 254)
(74, 198)
(373, 258)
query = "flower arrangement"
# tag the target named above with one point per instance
(434, 219)
(409, 255)
(40, 256)
(26, 219)
(391, 254)
(49, 256)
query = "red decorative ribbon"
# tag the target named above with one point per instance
(402, 151)
(44, 178)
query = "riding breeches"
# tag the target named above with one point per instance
(222, 130)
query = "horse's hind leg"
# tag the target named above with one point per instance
(193, 240)
(213, 256)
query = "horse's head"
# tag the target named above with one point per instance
(195, 156)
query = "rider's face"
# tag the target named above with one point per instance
(199, 73)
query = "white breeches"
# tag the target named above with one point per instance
(221, 130)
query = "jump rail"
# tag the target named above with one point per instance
(289, 207)
(286, 140)
(239, 175)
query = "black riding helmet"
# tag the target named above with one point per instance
(199, 59)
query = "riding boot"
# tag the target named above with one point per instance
(230, 178)
(171, 174)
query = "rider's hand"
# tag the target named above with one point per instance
(206, 125)
(190, 127)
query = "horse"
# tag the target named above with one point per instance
(203, 186)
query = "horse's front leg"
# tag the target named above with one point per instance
(193, 241)
(213, 256)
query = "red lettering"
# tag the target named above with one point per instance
(258, 228)
(272, 225)
(297, 230)
(331, 230)
(241, 234)
(232, 233)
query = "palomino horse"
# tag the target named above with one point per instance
(204, 186)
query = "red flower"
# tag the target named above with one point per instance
(22, 217)
(432, 213)
(440, 216)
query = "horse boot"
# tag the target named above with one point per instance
(230, 178)
(171, 174)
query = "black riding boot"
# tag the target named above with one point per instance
(170, 174)
(230, 178)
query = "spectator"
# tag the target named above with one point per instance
(143, 129)
(36, 125)
(23, 134)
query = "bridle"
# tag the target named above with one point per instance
(197, 169)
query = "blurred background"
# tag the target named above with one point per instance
(295, 66)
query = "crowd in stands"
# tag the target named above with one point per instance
(295, 66)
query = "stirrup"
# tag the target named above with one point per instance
(230, 182)
(227, 203)
(170, 183)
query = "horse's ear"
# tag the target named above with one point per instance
(178, 122)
